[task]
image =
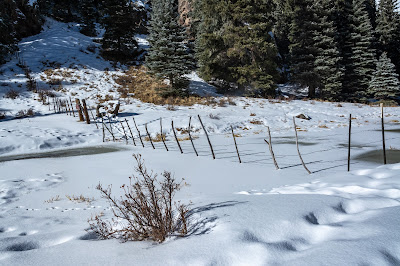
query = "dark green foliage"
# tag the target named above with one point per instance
(363, 55)
(385, 83)
(327, 59)
(62, 10)
(168, 56)
(303, 51)
(388, 29)
(89, 13)
(120, 21)
(235, 47)
(17, 20)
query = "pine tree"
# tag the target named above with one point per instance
(327, 59)
(211, 51)
(385, 81)
(388, 29)
(88, 12)
(303, 51)
(363, 55)
(251, 49)
(120, 22)
(168, 56)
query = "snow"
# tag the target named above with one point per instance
(243, 214)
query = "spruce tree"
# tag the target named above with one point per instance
(363, 55)
(88, 13)
(303, 51)
(327, 59)
(120, 22)
(168, 57)
(385, 81)
(251, 49)
(388, 29)
(211, 51)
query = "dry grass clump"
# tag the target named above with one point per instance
(25, 113)
(256, 122)
(79, 199)
(158, 138)
(147, 88)
(146, 210)
(53, 199)
(11, 94)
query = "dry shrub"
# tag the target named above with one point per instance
(25, 113)
(53, 199)
(147, 88)
(158, 138)
(256, 122)
(11, 94)
(145, 211)
(215, 117)
(252, 114)
(79, 199)
(322, 126)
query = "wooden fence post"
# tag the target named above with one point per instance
(297, 144)
(176, 138)
(109, 121)
(162, 135)
(148, 134)
(85, 111)
(237, 150)
(270, 149)
(72, 106)
(190, 136)
(129, 127)
(79, 108)
(209, 142)
(102, 122)
(383, 135)
(140, 137)
(123, 128)
(94, 119)
(349, 147)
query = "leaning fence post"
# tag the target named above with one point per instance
(297, 144)
(383, 135)
(85, 111)
(129, 127)
(209, 142)
(109, 121)
(140, 137)
(94, 119)
(72, 106)
(162, 135)
(270, 148)
(237, 150)
(148, 134)
(349, 147)
(123, 128)
(78, 107)
(176, 138)
(190, 136)
(102, 122)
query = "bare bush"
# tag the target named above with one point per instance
(145, 211)
(12, 94)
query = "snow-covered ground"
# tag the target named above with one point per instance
(245, 213)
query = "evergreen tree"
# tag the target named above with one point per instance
(385, 81)
(327, 59)
(88, 12)
(363, 55)
(168, 56)
(235, 47)
(388, 29)
(211, 51)
(302, 47)
(251, 46)
(120, 22)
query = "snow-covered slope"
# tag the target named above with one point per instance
(243, 214)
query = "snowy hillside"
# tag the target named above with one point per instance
(242, 214)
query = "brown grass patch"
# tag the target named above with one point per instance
(146, 88)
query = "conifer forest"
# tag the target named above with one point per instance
(340, 50)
